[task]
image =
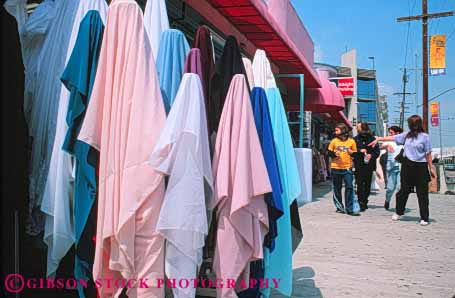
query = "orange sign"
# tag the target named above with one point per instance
(434, 108)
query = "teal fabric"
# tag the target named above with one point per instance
(278, 263)
(78, 78)
(170, 64)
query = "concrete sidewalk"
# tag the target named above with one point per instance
(371, 256)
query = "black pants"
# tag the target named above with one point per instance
(414, 174)
(363, 181)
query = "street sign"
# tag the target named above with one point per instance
(434, 108)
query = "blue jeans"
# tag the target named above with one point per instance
(393, 182)
(338, 176)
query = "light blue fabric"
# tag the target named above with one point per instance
(170, 64)
(415, 149)
(278, 264)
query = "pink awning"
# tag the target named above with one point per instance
(340, 117)
(254, 19)
(326, 99)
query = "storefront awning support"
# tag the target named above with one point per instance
(301, 78)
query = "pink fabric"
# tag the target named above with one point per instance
(241, 180)
(123, 121)
(326, 99)
(193, 64)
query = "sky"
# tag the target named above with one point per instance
(371, 28)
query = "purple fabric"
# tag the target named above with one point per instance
(193, 64)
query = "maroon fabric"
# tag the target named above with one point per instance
(203, 42)
(193, 64)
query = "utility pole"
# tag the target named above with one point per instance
(424, 17)
(403, 100)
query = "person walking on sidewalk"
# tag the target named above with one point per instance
(364, 163)
(340, 150)
(416, 167)
(393, 167)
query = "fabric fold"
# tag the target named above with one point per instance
(156, 21)
(183, 153)
(58, 194)
(170, 63)
(78, 78)
(193, 65)
(278, 263)
(123, 121)
(249, 71)
(229, 64)
(241, 181)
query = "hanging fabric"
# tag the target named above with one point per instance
(43, 108)
(58, 193)
(123, 121)
(193, 65)
(170, 63)
(249, 71)
(265, 132)
(241, 181)
(156, 22)
(278, 263)
(78, 78)
(273, 200)
(229, 64)
(203, 42)
(183, 153)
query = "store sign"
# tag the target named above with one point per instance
(434, 111)
(438, 55)
(434, 120)
(345, 85)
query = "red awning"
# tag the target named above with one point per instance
(340, 117)
(252, 18)
(324, 100)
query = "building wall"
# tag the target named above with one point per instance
(349, 59)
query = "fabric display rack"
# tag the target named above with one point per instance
(151, 158)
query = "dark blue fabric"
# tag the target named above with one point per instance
(338, 177)
(78, 77)
(265, 132)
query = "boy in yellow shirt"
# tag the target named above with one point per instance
(341, 149)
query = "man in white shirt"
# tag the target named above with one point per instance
(393, 167)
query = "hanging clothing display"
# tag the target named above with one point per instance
(58, 193)
(249, 71)
(183, 153)
(203, 42)
(229, 64)
(78, 78)
(170, 63)
(43, 107)
(193, 65)
(265, 132)
(156, 22)
(241, 181)
(32, 30)
(123, 121)
(278, 263)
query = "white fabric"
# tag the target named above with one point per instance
(262, 71)
(58, 194)
(183, 153)
(155, 21)
(304, 158)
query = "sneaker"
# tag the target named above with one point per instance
(386, 205)
(424, 223)
(339, 211)
(353, 213)
(396, 217)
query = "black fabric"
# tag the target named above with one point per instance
(297, 232)
(383, 162)
(229, 64)
(363, 181)
(14, 148)
(414, 174)
(331, 153)
(362, 141)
